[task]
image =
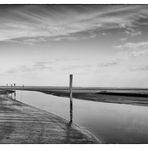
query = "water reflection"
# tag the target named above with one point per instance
(68, 131)
(12, 95)
(114, 123)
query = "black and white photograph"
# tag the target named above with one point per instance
(73, 74)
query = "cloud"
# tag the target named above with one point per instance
(133, 33)
(33, 23)
(108, 64)
(11, 71)
(130, 45)
(122, 40)
(38, 66)
(73, 67)
(135, 49)
(140, 68)
(48, 65)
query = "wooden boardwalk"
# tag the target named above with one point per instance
(22, 123)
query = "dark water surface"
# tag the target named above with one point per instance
(111, 123)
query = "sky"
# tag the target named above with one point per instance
(101, 45)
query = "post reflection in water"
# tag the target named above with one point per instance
(71, 100)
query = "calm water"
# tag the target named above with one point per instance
(112, 123)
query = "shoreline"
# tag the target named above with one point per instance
(23, 123)
(106, 97)
(131, 96)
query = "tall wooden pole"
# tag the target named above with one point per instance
(71, 104)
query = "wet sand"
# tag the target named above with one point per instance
(22, 123)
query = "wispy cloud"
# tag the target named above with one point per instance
(48, 65)
(133, 33)
(72, 67)
(139, 68)
(38, 66)
(108, 64)
(135, 49)
(31, 23)
(133, 45)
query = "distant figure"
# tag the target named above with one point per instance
(14, 84)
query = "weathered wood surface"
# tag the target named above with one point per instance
(21, 123)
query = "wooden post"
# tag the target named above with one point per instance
(71, 103)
